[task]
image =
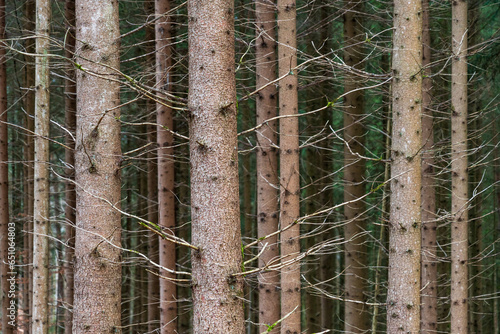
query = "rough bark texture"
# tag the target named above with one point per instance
(217, 303)
(97, 167)
(289, 167)
(5, 259)
(459, 176)
(403, 296)
(70, 193)
(428, 299)
(166, 198)
(267, 163)
(356, 272)
(41, 185)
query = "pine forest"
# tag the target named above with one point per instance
(249, 166)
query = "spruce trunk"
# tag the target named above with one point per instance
(217, 291)
(97, 299)
(459, 173)
(267, 164)
(403, 296)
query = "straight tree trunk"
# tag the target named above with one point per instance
(41, 186)
(267, 163)
(428, 299)
(153, 311)
(403, 296)
(29, 83)
(217, 292)
(459, 174)
(356, 272)
(70, 193)
(289, 168)
(166, 177)
(97, 295)
(5, 238)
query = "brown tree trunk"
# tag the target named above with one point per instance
(70, 193)
(97, 168)
(428, 299)
(459, 174)
(289, 167)
(166, 177)
(214, 170)
(7, 240)
(267, 164)
(153, 308)
(356, 272)
(476, 275)
(29, 153)
(41, 186)
(403, 296)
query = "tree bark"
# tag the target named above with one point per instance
(41, 186)
(267, 164)
(166, 177)
(97, 296)
(428, 299)
(153, 291)
(70, 193)
(29, 105)
(214, 170)
(289, 167)
(5, 238)
(356, 270)
(459, 174)
(403, 296)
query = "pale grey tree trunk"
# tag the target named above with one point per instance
(459, 174)
(97, 299)
(41, 185)
(217, 303)
(403, 296)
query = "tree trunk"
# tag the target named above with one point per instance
(356, 271)
(166, 177)
(70, 213)
(459, 177)
(403, 297)
(267, 164)
(289, 168)
(41, 186)
(97, 167)
(29, 105)
(5, 237)
(153, 311)
(214, 170)
(428, 299)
